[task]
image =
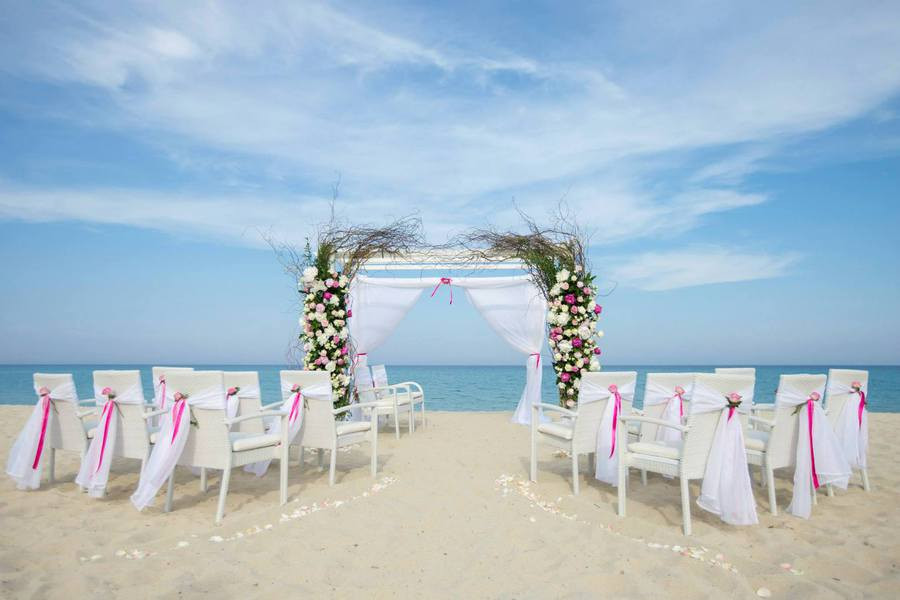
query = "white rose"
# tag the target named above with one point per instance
(570, 391)
(554, 291)
(343, 335)
(562, 275)
(330, 366)
(309, 274)
(599, 333)
(557, 357)
(595, 366)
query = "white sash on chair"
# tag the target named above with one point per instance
(170, 441)
(293, 405)
(655, 394)
(726, 490)
(24, 462)
(852, 425)
(819, 460)
(94, 471)
(607, 457)
(233, 403)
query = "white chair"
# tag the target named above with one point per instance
(736, 371)
(211, 443)
(160, 386)
(413, 391)
(686, 459)
(661, 400)
(72, 422)
(249, 400)
(842, 405)
(773, 444)
(320, 430)
(387, 400)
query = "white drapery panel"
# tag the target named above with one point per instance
(726, 490)
(820, 460)
(173, 432)
(512, 306)
(607, 457)
(94, 471)
(24, 462)
(655, 393)
(852, 425)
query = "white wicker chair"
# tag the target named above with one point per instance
(685, 460)
(212, 444)
(836, 402)
(318, 428)
(412, 390)
(388, 400)
(72, 422)
(667, 381)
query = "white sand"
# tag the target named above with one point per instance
(441, 521)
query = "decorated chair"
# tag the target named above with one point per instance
(846, 399)
(59, 421)
(666, 396)
(750, 406)
(388, 400)
(712, 449)
(412, 391)
(246, 400)
(123, 429)
(619, 386)
(162, 394)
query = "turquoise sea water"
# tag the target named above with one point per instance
(456, 388)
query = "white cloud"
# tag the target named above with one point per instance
(700, 265)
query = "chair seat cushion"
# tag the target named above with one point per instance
(556, 430)
(663, 449)
(352, 427)
(756, 440)
(250, 441)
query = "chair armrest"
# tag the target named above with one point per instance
(411, 383)
(81, 414)
(259, 415)
(271, 406)
(660, 422)
(87, 401)
(638, 411)
(555, 408)
(155, 413)
(761, 421)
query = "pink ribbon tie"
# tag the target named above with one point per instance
(177, 411)
(812, 452)
(862, 406)
(45, 398)
(731, 410)
(107, 412)
(444, 281)
(680, 404)
(538, 354)
(162, 394)
(295, 407)
(617, 406)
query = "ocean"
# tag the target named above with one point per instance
(454, 388)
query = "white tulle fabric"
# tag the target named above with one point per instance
(294, 404)
(726, 489)
(233, 402)
(94, 472)
(607, 461)
(851, 428)
(512, 306)
(167, 449)
(831, 466)
(655, 394)
(20, 464)
(161, 399)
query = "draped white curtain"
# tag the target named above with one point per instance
(512, 306)
(852, 425)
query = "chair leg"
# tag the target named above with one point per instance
(643, 476)
(412, 418)
(815, 499)
(170, 491)
(623, 486)
(396, 422)
(226, 477)
(574, 472)
(285, 458)
(301, 459)
(203, 483)
(686, 505)
(321, 457)
(829, 489)
(423, 412)
(533, 458)
(333, 464)
(865, 479)
(51, 468)
(374, 449)
(770, 483)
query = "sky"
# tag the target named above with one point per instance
(736, 166)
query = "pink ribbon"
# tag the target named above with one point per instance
(107, 410)
(680, 397)
(731, 410)
(45, 398)
(177, 411)
(812, 451)
(444, 281)
(295, 406)
(538, 354)
(862, 405)
(614, 390)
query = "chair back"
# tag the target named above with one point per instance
(736, 371)
(249, 399)
(208, 443)
(380, 379)
(317, 427)
(782, 446)
(667, 381)
(702, 426)
(587, 424)
(66, 431)
(133, 437)
(835, 402)
(624, 380)
(364, 385)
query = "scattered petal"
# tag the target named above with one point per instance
(764, 592)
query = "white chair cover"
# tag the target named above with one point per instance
(726, 490)
(94, 471)
(24, 462)
(820, 459)
(170, 441)
(293, 404)
(852, 425)
(607, 458)
(655, 394)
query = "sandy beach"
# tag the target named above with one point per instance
(451, 515)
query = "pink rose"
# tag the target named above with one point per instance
(320, 308)
(179, 396)
(43, 392)
(232, 391)
(734, 398)
(327, 295)
(336, 339)
(340, 361)
(577, 342)
(295, 388)
(598, 309)
(349, 313)
(343, 350)
(330, 283)
(107, 391)
(574, 310)
(856, 384)
(596, 350)
(815, 396)
(570, 403)
(679, 390)
(570, 298)
(613, 389)
(162, 378)
(564, 286)
(565, 377)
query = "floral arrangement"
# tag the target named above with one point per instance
(572, 317)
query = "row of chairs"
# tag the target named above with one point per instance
(653, 440)
(230, 428)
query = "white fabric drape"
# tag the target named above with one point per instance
(24, 462)
(512, 306)
(173, 433)
(852, 425)
(607, 457)
(655, 394)
(94, 471)
(293, 404)
(823, 451)
(726, 490)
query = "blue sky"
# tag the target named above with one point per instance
(737, 167)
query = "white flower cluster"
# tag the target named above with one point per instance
(572, 317)
(325, 333)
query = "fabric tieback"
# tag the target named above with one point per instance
(177, 411)
(45, 399)
(617, 406)
(679, 393)
(538, 355)
(444, 281)
(810, 406)
(295, 404)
